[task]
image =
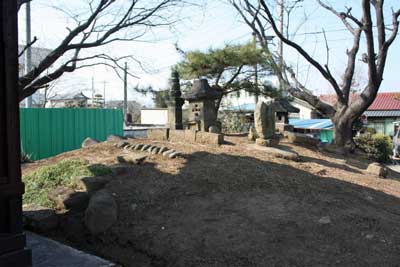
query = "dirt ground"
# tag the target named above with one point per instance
(236, 206)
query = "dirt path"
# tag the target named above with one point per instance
(233, 206)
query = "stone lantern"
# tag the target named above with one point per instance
(175, 103)
(202, 112)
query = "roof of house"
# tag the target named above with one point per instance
(78, 96)
(315, 124)
(281, 105)
(383, 101)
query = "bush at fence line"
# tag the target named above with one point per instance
(233, 122)
(377, 146)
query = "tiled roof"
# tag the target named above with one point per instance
(382, 113)
(383, 101)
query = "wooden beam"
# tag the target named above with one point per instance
(12, 238)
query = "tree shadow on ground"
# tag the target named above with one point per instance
(226, 210)
(330, 164)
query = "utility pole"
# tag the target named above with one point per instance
(255, 71)
(281, 29)
(104, 94)
(92, 92)
(28, 52)
(125, 111)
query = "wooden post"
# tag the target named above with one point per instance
(12, 238)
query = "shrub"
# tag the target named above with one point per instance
(233, 122)
(45, 179)
(377, 146)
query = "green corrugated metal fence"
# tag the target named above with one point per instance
(46, 132)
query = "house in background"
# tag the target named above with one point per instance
(67, 101)
(381, 115)
(306, 111)
(154, 116)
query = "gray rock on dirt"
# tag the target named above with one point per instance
(122, 144)
(166, 153)
(101, 213)
(155, 150)
(145, 147)
(89, 142)
(162, 150)
(129, 159)
(138, 146)
(174, 155)
(377, 169)
(115, 138)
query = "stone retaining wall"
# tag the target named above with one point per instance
(188, 136)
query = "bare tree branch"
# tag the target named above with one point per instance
(100, 27)
(27, 46)
(324, 71)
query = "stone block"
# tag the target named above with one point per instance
(158, 134)
(209, 138)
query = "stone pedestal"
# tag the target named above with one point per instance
(267, 142)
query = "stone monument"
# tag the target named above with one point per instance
(202, 112)
(264, 122)
(175, 103)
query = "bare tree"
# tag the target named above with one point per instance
(345, 112)
(106, 21)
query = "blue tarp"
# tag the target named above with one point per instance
(311, 123)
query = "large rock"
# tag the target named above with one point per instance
(264, 120)
(130, 159)
(68, 199)
(92, 184)
(277, 152)
(40, 218)
(89, 142)
(101, 213)
(301, 139)
(377, 169)
(115, 138)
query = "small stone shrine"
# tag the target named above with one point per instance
(264, 122)
(175, 103)
(282, 109)
(202, 113)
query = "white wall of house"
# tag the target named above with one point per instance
(158, 116)
(305, 111)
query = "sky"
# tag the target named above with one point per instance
(213, 24)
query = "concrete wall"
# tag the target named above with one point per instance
(158, 116)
